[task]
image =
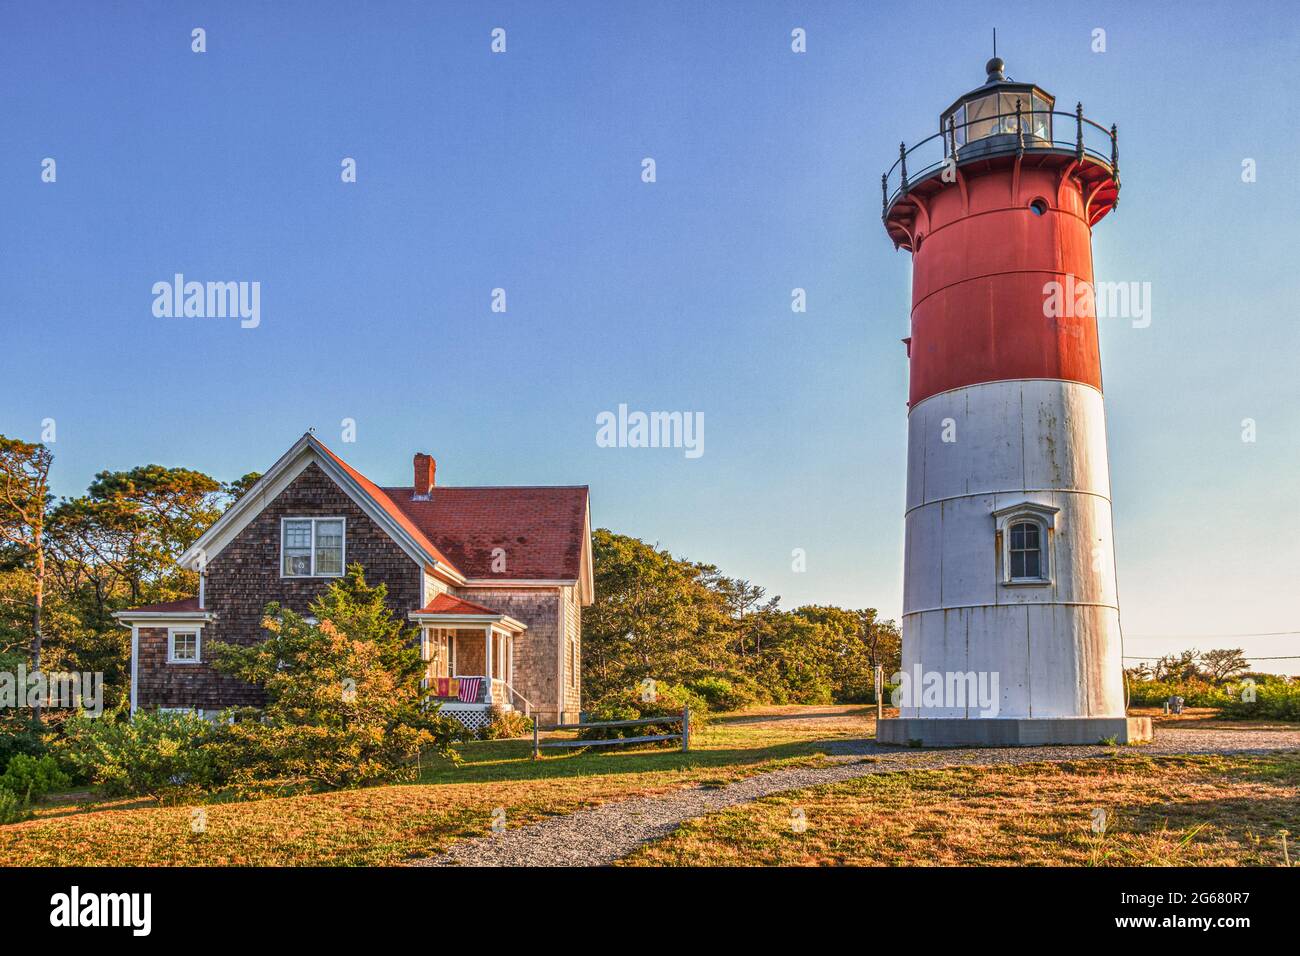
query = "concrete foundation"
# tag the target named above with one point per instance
(1011, 731)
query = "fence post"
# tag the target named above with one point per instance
(686, 728)
(537, 752)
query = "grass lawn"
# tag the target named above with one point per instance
(1195, 810)
(384, 825)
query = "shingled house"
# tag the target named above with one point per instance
(494, 577)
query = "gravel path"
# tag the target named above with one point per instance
(604, 834)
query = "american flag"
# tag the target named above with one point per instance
(469, 689)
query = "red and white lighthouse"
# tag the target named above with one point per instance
(1011, 631)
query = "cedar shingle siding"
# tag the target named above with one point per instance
(245, 575)
(541, 532)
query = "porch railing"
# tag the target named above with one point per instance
(492, 690)
(528, 704)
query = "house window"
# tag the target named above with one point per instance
(573, 663)
(311, 547)
(182, 645)
(1026, 550)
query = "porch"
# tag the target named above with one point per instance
(469, 654)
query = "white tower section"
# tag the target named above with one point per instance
(1018, 462)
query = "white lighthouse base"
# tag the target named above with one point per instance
(1011, 731)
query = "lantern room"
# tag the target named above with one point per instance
(995, 114)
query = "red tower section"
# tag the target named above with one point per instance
(1003, 209)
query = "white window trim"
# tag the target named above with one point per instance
(194, 629)
(343, 564)
(1042, 515)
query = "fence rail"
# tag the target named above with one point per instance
(685, 736)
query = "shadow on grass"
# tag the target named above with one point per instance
(854, 711)
(503, 760)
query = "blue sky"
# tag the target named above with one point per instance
(522, 171)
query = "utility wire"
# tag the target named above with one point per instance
(1207, 637)
(1249, 657)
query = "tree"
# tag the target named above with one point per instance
(678, 621)
(234, 490)
(1222, 665)
(655, 617)
(1178, 667)
(159, 512)
(344, 705)
(24, 496)
(856, 642)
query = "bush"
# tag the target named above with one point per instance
(721, 694)
(631, 704)
(1276, 701)
(506, 724)
(13, 809)
(34, 776)
(1276, 698)
(344, 707)
(1195, 693)
(145, 755)
(25, 741)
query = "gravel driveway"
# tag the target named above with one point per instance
(604, 834)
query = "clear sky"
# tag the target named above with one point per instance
(523, 171)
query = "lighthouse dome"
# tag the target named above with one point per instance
(982, 119)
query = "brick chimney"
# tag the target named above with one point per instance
(425, 467)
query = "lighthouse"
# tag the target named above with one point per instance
(1011, 625)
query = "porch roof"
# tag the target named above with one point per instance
(451, 610)
(184, 609)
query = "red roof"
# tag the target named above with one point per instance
(394, 512)
(446, 604)
(184, 604)
(538, 529)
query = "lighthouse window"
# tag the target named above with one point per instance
(1026, 550)
(982, 117)
(1038, 207)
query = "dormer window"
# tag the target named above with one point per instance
(311, 547)
(1024, 533)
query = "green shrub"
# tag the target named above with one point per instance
(1273, 701)
(1195, 693)
(506, 724)
(145, 755)
(1276, 698)
(721, 694)
(34, 776)
(344, 705)
(667, 700)
(19, 741)
(13, 809)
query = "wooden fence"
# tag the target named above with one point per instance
(684, 736)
